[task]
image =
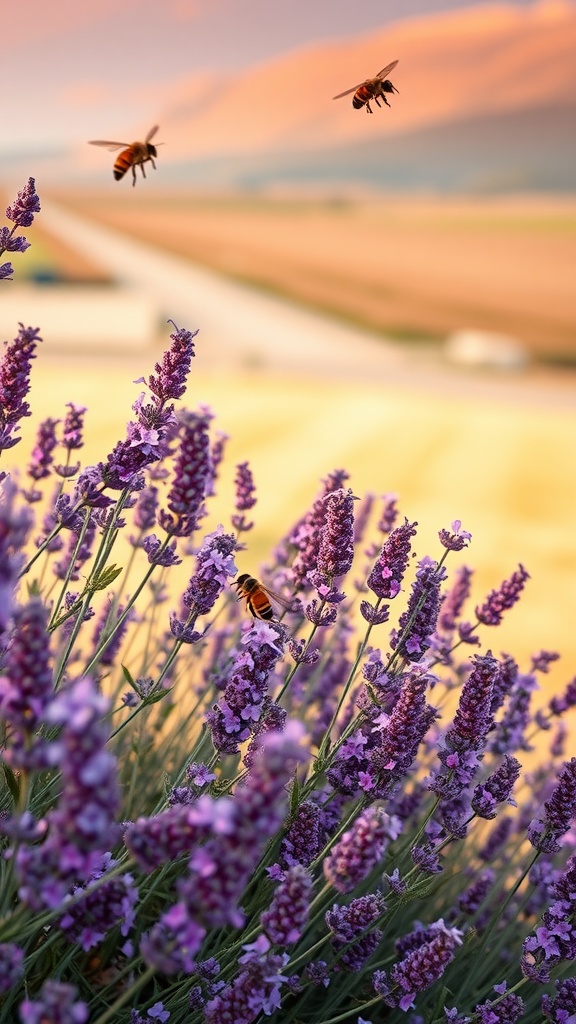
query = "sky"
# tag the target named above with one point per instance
(72, 71)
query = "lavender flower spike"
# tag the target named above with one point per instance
(386, 577)
(284, 920)
(359, 849)
(498, 601)
(191, 476)
(15, 383)
(26, 204)
(560, 811)
(337, 537)
(56, 1003)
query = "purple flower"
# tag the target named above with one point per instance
(191, 475)
(254, 990)
(42, 458)
(12, 243)
(306, 535)
(73, 427)
(359, 849)
(392, 757)
(220, 869)
(233, 718)
(172, 373)
(214, 567)
(560, 810)
(145, 443)
(496, 841)
(82, 824)
(26, 204)
(15, 383)
(216, 456)
(473, 897)
(418, 622)
(385, 579)
(467, 734)
(419, 969)
(457, 539)
(56, 1003)
(284, 921)
(100, 909)
(351, 931)
(554, 940)
(166, 836)
(26, 686)
(498, 601)
(305, 837)
(245, 496)
(505, 1010)
(558, 705)
(11, 965)
(454, 600)
(562, 1006)
(336, 549)
(146, 506)
(496, 789)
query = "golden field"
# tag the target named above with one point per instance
(408, 267)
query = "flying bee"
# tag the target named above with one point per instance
(132, 155)
(259, 600)
(371, 89)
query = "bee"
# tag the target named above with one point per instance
(371, 89)
(259, 600)
(132, 155)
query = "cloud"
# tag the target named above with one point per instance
(58, 18)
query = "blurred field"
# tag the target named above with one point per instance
(407, 267)
(504, 468)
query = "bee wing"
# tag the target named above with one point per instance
(348, 91)
(386, 71)
(109, 145)
(151, 133)
(284, 602)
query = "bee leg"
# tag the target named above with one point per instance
(385, 100)
(133, 175)
(152, 162)
(376, 98)
(143, 171)
(368, 107)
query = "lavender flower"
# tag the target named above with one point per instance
(57, 1004)
(496, 789)
(11, 965)
(245, 496)
(26, 204)
(419, 969)
(42, 458)
(554, 941)
(233, 717)
(385, 579)
(192, 472)
(72, 438)
(15, 383)
(506, 1010)
(82, 825)
(220, 869)
(305, 837)
(172, 373)
(498, 601)
(457, 539)
(214, 567)
(101, 908)
(467, 734)
(562, 1006)
(255, 990)
(26, 687)
(560, 810)
(306, 535)
(284, 921)
(392, 757)
(359, 849)
(336, 549)
(418, 622)
(453, 601)
(351, 931)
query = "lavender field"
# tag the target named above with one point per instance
(342, 804)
